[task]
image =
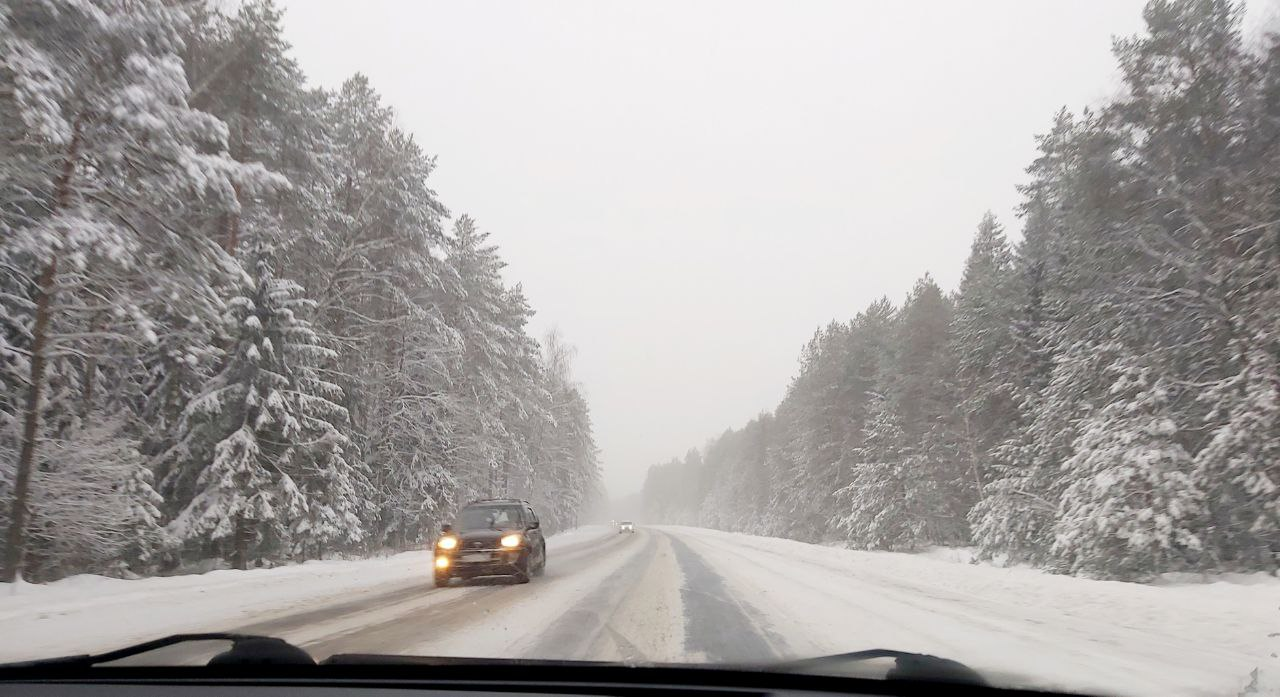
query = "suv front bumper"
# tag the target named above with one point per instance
(481, 562)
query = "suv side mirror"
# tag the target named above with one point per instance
(446, 529)
(534, 525)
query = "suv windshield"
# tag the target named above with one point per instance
(489, 518)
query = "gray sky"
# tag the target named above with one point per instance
(689, 189)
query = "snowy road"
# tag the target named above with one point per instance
(684, 594)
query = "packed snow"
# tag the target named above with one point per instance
(89, 613)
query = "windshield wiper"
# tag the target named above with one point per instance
(246, 649)
(907, 666)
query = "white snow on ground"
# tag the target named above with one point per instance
(94, 613)
(635, 617)
(1057, 631)
(622, 601)
(648, 624)
(958, 555)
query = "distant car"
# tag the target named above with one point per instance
(491, 537)
(626, 526)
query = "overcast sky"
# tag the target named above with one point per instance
(688, 189)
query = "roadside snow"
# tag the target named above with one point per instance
(94, 613)
(955, 555)
(1031, 628)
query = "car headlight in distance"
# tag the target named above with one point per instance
(512, 540)
(447, 543)
(442, 562)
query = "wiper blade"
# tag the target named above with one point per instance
(382, 659)
(907, 666)
(246, 649)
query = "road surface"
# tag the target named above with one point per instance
(666, 594)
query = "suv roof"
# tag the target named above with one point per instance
(479, 501)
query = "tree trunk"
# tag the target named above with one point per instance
(231, 222)
(90, 371)
(241, 541)
(231, 226)
(15, 539)
(973, 455)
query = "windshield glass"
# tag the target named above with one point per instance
(488, 517)
(754, 330)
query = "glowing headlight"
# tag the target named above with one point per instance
(447, 543)
(442, 562)
(513, 540)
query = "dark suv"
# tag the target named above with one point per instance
(492, 537)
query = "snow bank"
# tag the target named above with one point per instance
(90, 613)
(956, 555)
(969, 555)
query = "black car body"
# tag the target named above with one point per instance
(491, 537)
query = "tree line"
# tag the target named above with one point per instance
(1103, 397)
(235, 320)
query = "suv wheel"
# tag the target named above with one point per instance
(542, 562)
(442, 579)
(522, 569)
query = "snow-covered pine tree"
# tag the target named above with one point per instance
(1016, 515)
(1067, 276)
(565, 459)
(490, 366)
(983, 345)
(921, 390)
(738, 492)
(384, 288)
(1132, 509)
(403, 424)
(869, 363)
(1202, 115)
(265, 436)
(93, 507)
(722, 507)
(1238, 469)
(526, 396)
(109, 155)
(241, 72)
(571, 473)
(820, 427)
(792, 511)
(759, 435)
(885, 505)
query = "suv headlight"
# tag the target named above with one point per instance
(447, 542)
(512, 540)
